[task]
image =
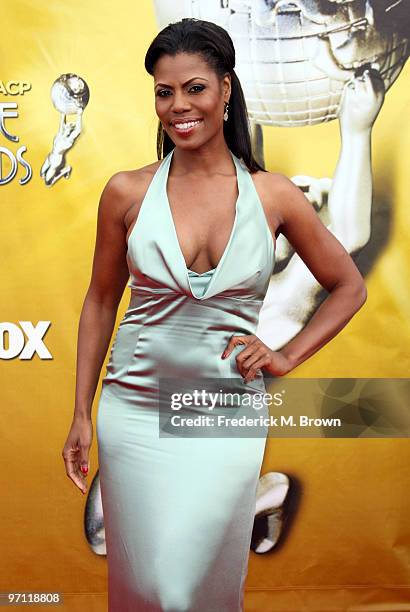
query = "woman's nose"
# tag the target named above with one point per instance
(179, 102)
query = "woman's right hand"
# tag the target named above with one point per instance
(76, 451)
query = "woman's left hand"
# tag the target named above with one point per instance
(257, 355)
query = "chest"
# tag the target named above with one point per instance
(203, 214)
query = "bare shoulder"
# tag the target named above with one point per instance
(142, 176)
(271, 180)
(127, 183)
(272, 188)
(281, 193)
(125, 190)
(139, 181)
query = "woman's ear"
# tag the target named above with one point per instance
(227, 87)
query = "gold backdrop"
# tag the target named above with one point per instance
(347, 547)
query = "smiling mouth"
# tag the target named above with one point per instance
(186, 125)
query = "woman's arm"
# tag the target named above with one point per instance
(108, 279)
(330, 264)
(98, 314)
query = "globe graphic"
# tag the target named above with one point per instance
(293, 59)
(69, 94)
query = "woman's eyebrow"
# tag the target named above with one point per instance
(183, 84)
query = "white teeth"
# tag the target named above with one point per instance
(185, 126)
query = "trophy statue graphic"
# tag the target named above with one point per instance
(70, 95)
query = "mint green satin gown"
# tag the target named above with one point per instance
(179, 511)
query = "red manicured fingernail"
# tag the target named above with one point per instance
(84, 469)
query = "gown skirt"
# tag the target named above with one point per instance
(179, 505)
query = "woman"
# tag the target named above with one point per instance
(196, 232)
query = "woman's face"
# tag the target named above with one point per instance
(188, 90)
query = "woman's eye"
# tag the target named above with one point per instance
(162, 93)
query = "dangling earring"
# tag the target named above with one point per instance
(226, 111)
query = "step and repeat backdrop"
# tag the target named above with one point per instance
(328, 96)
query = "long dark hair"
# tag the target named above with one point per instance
(215, 46)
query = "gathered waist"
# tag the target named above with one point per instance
(141, 292)
(164, 306)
